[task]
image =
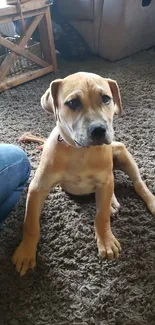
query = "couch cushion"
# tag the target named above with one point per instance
(76, 9)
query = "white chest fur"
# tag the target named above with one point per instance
(84, 173)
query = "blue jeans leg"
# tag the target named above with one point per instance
(14, 174)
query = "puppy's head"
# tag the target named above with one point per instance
(84, 104)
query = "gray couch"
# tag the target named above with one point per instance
(112, 28)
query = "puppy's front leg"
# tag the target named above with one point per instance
(108, 245)
(25, 254)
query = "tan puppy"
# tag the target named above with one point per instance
(79, 155)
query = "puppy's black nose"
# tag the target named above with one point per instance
(97, 132)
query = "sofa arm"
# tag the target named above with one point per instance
(126, 28)
(85, 16)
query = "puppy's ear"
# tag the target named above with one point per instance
(116, 96)
(54, 88)
(46, 101)
(49, 99)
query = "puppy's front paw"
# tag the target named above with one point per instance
(24, 258)
(108, 246)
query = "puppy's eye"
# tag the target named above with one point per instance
(106, 99)
(74, 104)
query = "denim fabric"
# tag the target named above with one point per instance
(14, 174)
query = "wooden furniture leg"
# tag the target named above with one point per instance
(42, 62)
(46, 39)
(6, 64)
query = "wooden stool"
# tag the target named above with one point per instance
(39, 10)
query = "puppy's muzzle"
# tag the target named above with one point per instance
(97, 133)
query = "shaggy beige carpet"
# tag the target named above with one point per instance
(71, 285)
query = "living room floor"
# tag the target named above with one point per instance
(71, 284)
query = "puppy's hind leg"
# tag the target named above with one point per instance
(115, 206)
(124, 161)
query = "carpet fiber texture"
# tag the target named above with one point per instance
(71, 284)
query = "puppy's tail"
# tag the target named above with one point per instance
(28, 137)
